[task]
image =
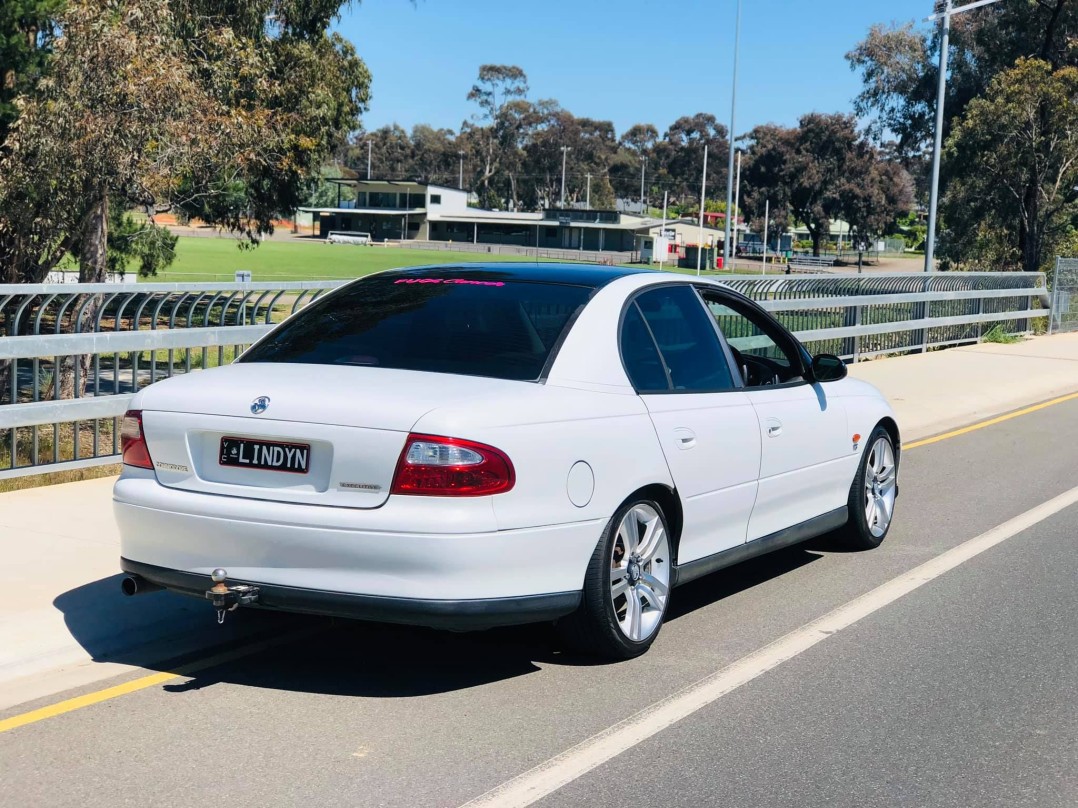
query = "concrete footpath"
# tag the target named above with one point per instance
(64, 623)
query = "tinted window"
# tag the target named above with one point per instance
(638, 352)
(745, 335)
(686, 338)
(763, 353)
(450, 324)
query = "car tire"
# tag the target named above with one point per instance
(626, 587)
(871, 503)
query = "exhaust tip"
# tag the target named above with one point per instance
(132, 585)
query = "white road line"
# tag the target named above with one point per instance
(548, 777)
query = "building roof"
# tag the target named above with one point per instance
(684, 221)
(484, 216)
(526, 219)
(374, 211)
(402, 183)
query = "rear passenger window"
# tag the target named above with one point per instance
(641, 357)
(687, 340)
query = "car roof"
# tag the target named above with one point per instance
(591, 275)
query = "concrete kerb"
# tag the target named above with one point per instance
(943, 390)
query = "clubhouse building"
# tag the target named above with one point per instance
(402, 210)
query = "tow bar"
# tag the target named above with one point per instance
(227, 598)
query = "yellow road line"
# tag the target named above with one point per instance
(143, 682)
(990, 422)
(77, 703)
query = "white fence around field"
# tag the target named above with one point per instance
(142, 333)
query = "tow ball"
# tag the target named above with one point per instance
(227, 598)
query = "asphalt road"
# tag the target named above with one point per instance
(963, 692)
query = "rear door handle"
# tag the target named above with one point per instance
(684, 437)
(774, 427)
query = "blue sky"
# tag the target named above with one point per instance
(629, 61)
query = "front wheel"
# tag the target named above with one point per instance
(872, 496)
(626, 587)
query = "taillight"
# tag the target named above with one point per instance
(435, 466)
(133, 441)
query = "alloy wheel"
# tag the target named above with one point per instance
(881, 487)
(640, 572)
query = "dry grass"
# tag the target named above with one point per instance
(57, 477)
(64, 438)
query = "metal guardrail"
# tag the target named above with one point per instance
(106, 341)
(147, 332)
(858, 316)
(1064, 296)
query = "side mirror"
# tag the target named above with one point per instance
(828, 368)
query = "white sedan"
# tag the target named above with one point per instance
(499, 444)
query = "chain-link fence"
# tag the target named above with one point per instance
(1064, 284)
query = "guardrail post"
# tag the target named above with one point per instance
(923, 306)
(1054, 305)
(857, 339)
(849, 318)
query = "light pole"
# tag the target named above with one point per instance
(587, 202)
(564, 151)
(461, 183)
(703, 199)
(737, 204)
(643, 169)
(369, 143)
(944, 15)
(767, 221)
(733, 121)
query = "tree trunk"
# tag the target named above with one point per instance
(513, 191)
(488, 170)
(1028, 231)
(1049, 52)
(816, 235)
(93, 268)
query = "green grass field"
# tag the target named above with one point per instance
(217, 259)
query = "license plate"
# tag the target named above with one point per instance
(266, 455)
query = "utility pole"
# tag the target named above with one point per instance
(703, 192)
(461, 183)
(564, 151)
(941, 94)
(662, 233)
(733, 122)
(587, 204)
(369, 144)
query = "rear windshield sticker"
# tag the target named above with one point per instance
(466, 281)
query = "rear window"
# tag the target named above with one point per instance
(459, 324)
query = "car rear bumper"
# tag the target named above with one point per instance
(398, 563)
(451, 614)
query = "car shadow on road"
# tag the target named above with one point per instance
(159, 626)
(164, 631)
(722, 584)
